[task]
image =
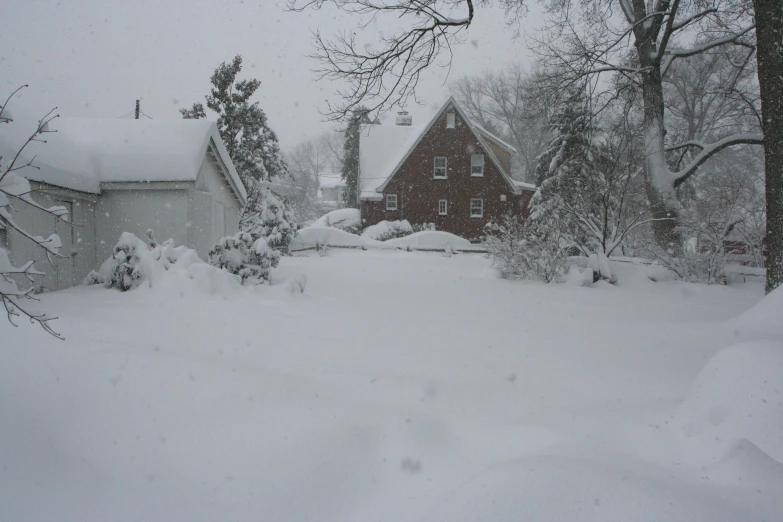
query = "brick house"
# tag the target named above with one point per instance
(450, 172)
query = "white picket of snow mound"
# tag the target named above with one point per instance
(340, 218)
(738, 395)
(318, 236)
(430, 239)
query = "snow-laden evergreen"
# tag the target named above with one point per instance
(250, 259)
(266, 216)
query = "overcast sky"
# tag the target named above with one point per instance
(94, 58)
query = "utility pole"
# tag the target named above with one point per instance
(138, 108)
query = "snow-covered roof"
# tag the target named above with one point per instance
(383, 149)
(328, 180)
(84, 153)
(525, 186)
(493, 137)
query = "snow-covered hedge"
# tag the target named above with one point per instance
(138, 263)
(251, 260)
(388, 230)
(432, 239)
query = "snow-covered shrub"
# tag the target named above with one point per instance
(695, 267)
(527, 249)
(250, 259)
(386, 230)
(423, 227)
(94, 278)
(346, 219)
(266, 216)
(161, 266)
(124, 268)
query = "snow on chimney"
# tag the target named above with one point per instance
(404, 119)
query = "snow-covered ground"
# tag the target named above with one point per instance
(400, 386)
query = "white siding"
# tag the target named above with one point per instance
(78, 240)
(213, 208)
(165, 211)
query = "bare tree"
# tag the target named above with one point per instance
(15, 188)
(586, 41)
(383, 76)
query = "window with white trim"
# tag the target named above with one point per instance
(443, 207)
(476, 207)
(391, 201)
(477, 165)
(440, 167)
(450, 120)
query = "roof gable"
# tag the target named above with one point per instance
(380, 173)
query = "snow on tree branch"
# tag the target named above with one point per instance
(669, 55)
(14, 186)
(710, 149)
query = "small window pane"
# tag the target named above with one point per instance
(443, 207)
(391, 201)
(477, 165)
(476, 208)
(440, 167)
(450, 120)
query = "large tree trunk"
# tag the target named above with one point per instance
(769, 33)
(658, 182)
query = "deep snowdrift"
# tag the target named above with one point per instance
(400, 386)
(738, 395)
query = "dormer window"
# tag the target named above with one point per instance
(450, 119)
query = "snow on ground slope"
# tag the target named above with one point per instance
(399, 386)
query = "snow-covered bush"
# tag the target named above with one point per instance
(423, 227)
(346, 219)
(527, 249)
(250, 259)
(266, 216)
(386, 230)
(124, 267)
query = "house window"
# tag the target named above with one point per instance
(450, 119)
(476, 208)
(440, 167)
(477, 165)
(391, 201)
(443, 207)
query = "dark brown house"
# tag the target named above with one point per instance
(449, 172)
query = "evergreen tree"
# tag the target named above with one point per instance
(569, 175)
(253, 148)
(350, 172)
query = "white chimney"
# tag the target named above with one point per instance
(404, 119)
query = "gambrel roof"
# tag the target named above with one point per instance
(384, 148)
